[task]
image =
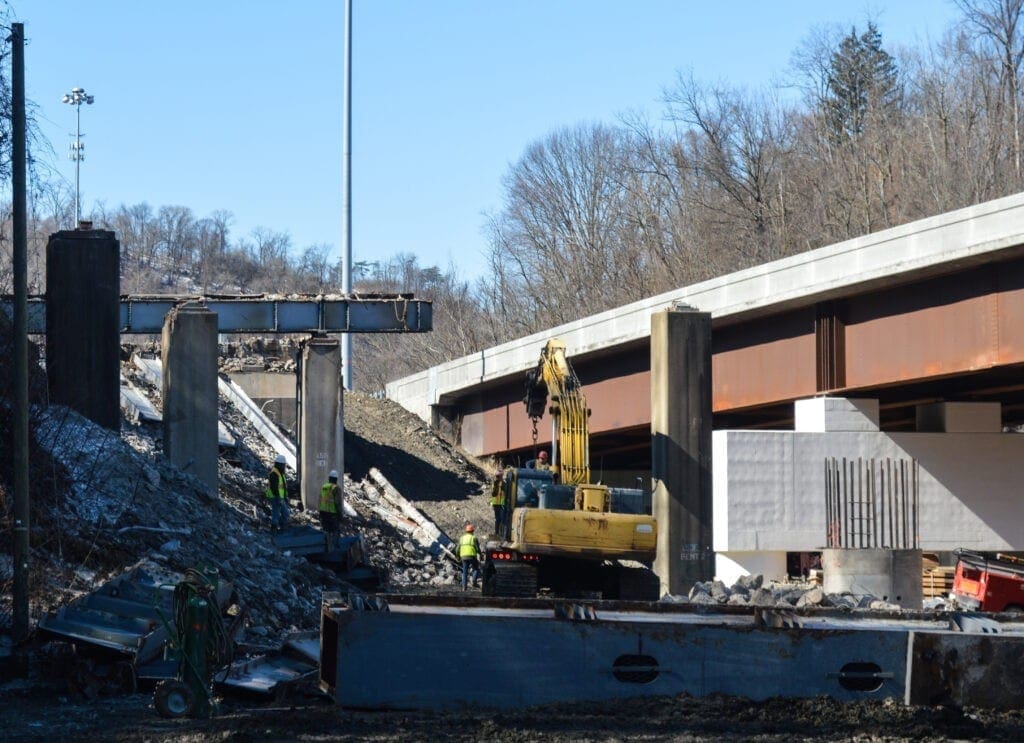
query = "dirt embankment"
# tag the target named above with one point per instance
(443, 481)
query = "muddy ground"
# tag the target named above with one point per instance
(651, 719)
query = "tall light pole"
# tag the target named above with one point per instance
(346, 195)
(76, 98)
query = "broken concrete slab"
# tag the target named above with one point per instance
(136, 406)
(426, 532)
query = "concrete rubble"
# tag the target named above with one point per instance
(115, 500)
(751, 590)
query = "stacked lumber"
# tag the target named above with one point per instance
(937, 582)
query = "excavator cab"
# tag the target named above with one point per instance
(523, 489)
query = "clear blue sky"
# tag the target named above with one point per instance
(237, 104)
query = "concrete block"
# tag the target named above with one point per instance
(769, 494)
(273, 392)
(960, 417)
(825, 414)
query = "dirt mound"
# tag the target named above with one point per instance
(444, 482)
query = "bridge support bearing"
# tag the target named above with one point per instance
(681, 447)
(190, 392)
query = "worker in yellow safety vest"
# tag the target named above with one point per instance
(469, 555)
(331, 499)
(277, 494)
(498, 500)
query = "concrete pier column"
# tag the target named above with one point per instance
(321, 424)
(681, 447)
(190, 391)
(83, 340)
(889, 574)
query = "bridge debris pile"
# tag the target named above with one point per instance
(124, 502)
(112, 499)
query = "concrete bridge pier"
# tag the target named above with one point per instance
(321, 416)
(190, 391)
(681, 447)
(83, 341)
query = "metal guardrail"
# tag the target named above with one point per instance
(385, 313)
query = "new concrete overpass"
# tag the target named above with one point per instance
(925, 312)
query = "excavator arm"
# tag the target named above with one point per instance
(554, 378)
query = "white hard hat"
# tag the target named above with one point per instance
(333, 473)
(279, 459)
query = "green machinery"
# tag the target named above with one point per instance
(199, 641)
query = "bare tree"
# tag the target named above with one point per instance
(997, 25)
(735, 146)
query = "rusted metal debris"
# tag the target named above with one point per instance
(117, 633)
(114, 639)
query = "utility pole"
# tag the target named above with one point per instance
(76, 98)
(346, 196)
(20, 268)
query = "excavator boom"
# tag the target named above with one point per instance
(554, 378)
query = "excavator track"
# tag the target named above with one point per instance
(637, 584)
(511, 579)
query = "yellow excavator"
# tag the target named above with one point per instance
(560, 533)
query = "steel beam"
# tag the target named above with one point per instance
(386, 313)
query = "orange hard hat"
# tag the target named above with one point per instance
(469, 527)
(542, 455)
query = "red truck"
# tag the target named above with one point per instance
(989, 583)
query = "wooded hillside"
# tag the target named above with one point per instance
(856, 138)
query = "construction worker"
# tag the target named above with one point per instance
(469, 554)
(540, 463)
(277, 493)
(330, 509)
(498, 503)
